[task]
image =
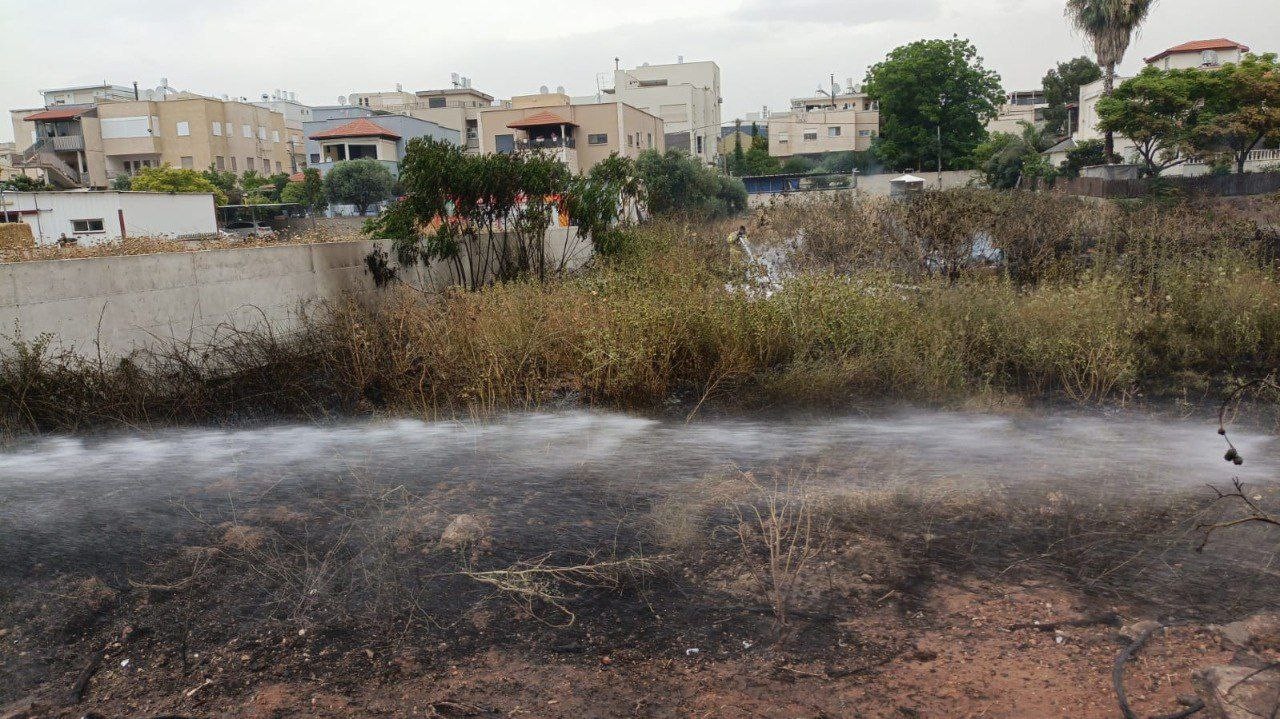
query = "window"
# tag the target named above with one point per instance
(784, 137)
(217, 129)
(358, 152)
(833, 131)
(504, 143)
(246, 130)
(630, 141)
(278, 170)
(233, 165)
(275, 136)
(315, 158)
(810, 135)
(187, 162)
(698, 145)
(248, 164)
(229, 130)
(84, 226)
(1209, 57)
(262, 132)
(864, 133)
(184, 129)
(435, 102)
(218, 163)
(651, 141)
(598, 138)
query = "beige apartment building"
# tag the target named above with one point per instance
(1019, 106)
(456, 108)
(686, 95)
(90, 144)
(579, 135)
(820, 124)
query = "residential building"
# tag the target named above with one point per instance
(456, 108)
(93, 218)
(1199, 54)
(90, 144)
(686, 95)
(382, 137)
(1020, 106)
(392, 100)
(286, 103)
(836, 122)
(578, 135)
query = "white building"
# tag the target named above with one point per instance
(286, 103)
(686, 95)
(94, 218)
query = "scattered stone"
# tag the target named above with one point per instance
(463, 530)
(1235, 692)
(1260, 631)
(1137, 629)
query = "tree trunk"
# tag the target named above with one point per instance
(1108, 84)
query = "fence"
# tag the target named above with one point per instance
(1251, 183)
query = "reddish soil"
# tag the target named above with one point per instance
(952, 654)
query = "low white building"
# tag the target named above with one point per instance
(94, 218)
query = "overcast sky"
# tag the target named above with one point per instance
(768, 50)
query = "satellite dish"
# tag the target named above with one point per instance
(342, 99)
(543, 90)
(560, 89)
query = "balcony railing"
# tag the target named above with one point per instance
(67, 143)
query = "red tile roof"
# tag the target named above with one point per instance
(357, 128)
(1220, 43)
(297, 177)
(62, 113)
(541, 119)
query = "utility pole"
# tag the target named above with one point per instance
(939, 155)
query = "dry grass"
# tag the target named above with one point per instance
(158, 245)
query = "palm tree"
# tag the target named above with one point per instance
(1109, 24)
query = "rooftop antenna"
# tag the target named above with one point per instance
(617, 63)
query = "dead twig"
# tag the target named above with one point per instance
(1110, 619)
(1117, 670)
(1254, 513)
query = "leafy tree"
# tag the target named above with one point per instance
(677, 182)
(1086, 153)
(798, 163)
(1241, 107)
(24, 183)
(738, 153)
(1158, 112)
(177, 180)
(309, 192)
(361, 183)
(1062, 86)
(1006, 158)
(227, 182)
(1109, 25)
(845, 161)
(605, 201)
(757, 160)
(927, 85)
(487, 215)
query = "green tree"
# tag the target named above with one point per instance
(757, 160)
(178, 180)
(1086, 153)
(798, 163)
(227, 182)
(309, 192)
(1158, 112)
(1109, 25)
(24, 183)
(926, 86)
(1005, 158)
(1062, 86)
(1241, 107)
(361, 183)
(676, 182)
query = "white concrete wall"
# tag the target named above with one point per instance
(117, 305)
(50, 214)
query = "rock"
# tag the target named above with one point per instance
(464, 529)
(1260, 631)
(24, 709)
(1137, 629)
(1235, 692)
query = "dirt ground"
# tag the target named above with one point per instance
(953, 654)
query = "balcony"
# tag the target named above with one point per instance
(67, 143)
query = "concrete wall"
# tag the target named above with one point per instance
(121, 304)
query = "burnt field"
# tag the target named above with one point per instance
(569, 564)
